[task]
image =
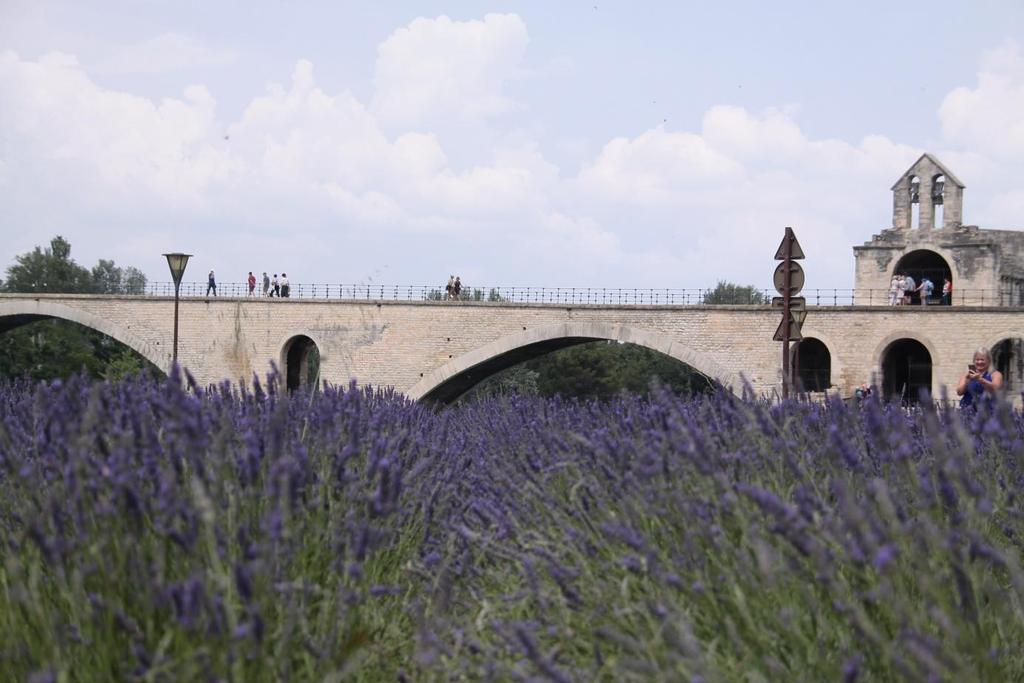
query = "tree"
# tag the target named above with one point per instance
(731, 293)
(58, 348)
(598, 370)
(49, 270)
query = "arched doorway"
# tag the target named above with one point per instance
(906, 371)
(924, 263)
(1008, 358)
(301, 361)
(813, 364)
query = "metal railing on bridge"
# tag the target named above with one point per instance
(579, 296)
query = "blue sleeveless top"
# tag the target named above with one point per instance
(975, 393)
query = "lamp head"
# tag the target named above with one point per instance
(177, 262)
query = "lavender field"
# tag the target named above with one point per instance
(155, 533)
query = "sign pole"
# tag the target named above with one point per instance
(789, 280)
(787, 246)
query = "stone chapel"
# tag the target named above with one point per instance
(928, 239)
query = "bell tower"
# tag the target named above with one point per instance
(931, 188)
(929, 240)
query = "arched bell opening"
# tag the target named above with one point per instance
(301, 362)
(813, 364)
(938, 192)
(915, 202)
(906, 371)
(924, 263)
(1008, 359)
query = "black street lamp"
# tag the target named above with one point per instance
(177, 263)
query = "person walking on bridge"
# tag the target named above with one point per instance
(211, 284)
(286, 287)
(266, 284)
(276, 284)
(252, 284)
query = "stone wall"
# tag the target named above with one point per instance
(413, 346)
(974, 258)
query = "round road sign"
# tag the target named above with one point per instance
(796, 278)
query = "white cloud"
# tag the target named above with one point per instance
(990, 116)
(774, 136)
(167, 52)
(338, 184)
(438, 67)
(67, 133)
(657, 167)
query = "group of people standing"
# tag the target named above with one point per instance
(453, 289)
(902, 287)
(279, 287)
(271, 287)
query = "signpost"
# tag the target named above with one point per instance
(789, 280)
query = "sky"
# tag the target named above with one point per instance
(568, 144)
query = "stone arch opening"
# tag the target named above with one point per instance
(906, 371)
(15, 314)
(938, 192)
(925, 263)
(813, 364)
(447, 383)
(594, 370)
(300, 359)
(1008, 358)
(915, 202)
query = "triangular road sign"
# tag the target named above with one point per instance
(794, 331)
(796, 253)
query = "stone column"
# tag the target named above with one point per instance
(901, 205)
(953, 203)
(927, 213)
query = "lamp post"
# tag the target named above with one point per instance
(176, 262)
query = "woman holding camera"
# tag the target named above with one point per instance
(981, 382)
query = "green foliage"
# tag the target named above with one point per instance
(50, 270)
(48, 349)
(596, 370)
(731, 293)
(516, 380)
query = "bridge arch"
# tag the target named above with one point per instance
(906, 363)
(837, 369)
(297, 352)
(451, 380)
(1007, 350)
(18, 312)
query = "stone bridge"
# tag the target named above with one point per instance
(436, 350)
